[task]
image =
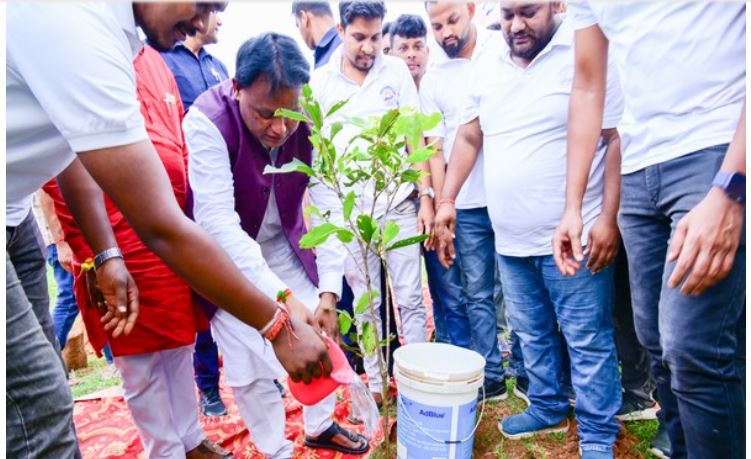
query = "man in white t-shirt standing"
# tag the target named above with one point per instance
(60, 117)
(374, 84)
(517, 108)
(683, 69)
(472, 319)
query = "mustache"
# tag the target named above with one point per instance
(451, 37)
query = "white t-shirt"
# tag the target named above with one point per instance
(523, 114)
(70, 87)
(683, 68)
(388, 85)
(442, 90)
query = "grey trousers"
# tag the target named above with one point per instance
(39, 406)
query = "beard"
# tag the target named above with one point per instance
(454, 50)
(363, 65)
(537, 44)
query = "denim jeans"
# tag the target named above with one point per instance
(39, 406)
(539, 301)
(635, 374)
(206, 362)
(66, 308)
(696, 343)
(475, 247)
(449, 308)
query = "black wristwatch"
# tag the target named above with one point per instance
(733, 184)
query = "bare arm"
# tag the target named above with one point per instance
(134, 178)
(463, 156)
(604, 237)
(437, 168)
(584, 129)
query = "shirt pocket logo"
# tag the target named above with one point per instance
(389, 96)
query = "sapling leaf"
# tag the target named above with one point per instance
(317, 235)
(407, 241)
(369, 338)
(390, 231)
(293, 166)
(348, 204)
(345, 322)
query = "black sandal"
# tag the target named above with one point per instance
(325, 440)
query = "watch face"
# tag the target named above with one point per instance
(736, 189)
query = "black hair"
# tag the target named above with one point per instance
(409, 26)
(275, 56)
(349, 11)
(386, 28)
(315, 8)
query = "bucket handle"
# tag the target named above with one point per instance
(446, 442)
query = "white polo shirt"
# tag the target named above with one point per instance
(388, 85)
(683, 68)
(442, 90)
(70, 87)
(523, 114)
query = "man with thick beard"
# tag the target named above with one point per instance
(525, 169)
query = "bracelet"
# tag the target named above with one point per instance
(446, 201)
(104, 255)
(271, 323)
(281, 321)
(283, 295)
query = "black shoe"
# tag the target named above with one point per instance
(212, 404)
(660, 445)
(493, 390)
(521, 388)
(637, 409)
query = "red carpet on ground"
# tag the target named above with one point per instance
(106, 430)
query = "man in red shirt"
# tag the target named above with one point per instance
(155, 359)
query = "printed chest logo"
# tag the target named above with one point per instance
(170, 100)
(216, 74)
(389, 95)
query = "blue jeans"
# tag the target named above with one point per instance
(39, 406)
(206, 362)
(539, 301)
(475, 248)
(449, 309)
(66, 308)
(696, 343)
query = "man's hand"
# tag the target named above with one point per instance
(705, 243)
(120, 296)
(425, 217)
(326, 316)
(303, 355)
(445, 225)
(299, 311)
(602, 247)
(567, 249)
(64, 256)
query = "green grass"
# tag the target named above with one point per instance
(91, 378)
(644, 431)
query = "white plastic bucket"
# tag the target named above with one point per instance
(437, 403)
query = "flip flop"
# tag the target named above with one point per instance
(326, 440)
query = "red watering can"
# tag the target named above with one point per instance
(320, 388)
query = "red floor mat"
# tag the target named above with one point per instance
(106, 430)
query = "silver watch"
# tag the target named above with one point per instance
(427, 191)
(106, 254)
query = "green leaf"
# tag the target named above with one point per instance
(315, 114)
(335, 108)
(291, 114)
(407, 241)
(367, 227)
(362, 303)
(310, 210)
(411, 175)
(345, 235)
(390, 232)
(369, 338)
(348, 205)
(428, 122)
(345, 322)
(307, 92)
(335, 128)
(293, 166)
(420, 155)
(387, 121)
(317, 235)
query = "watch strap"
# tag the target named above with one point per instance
(106, 254)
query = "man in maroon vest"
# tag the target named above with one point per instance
(232, 135)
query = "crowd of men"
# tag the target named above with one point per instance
(589, 170)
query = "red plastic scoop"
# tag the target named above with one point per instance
(320, 388)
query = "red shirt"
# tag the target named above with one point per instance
(168, 317)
